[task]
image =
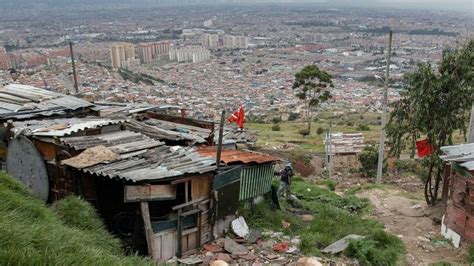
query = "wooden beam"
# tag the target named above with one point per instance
(180, 206)
(148, 229)
(140, 193)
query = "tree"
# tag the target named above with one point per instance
(368, 159)
(304, 132)
(320, 131)
(312, 85)
(434, 104)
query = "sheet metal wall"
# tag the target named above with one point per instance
(255, 180)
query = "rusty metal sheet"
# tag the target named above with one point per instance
(238, 156)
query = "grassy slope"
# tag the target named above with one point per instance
(68, 233)
(335, 217)
(313, 143)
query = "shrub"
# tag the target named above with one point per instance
(368, 159)
(377, 248)
(363, 127)
(350, 124)
(293, 116)
(304, 132)
(320, 130)
(276, 120)
(276, 127)
(471, 253)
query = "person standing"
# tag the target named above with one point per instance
(285, 180)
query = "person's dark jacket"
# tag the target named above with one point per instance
(286, 174)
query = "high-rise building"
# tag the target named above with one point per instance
(235, 42)
(193, 54)
(228, 41)
(147, 52)
(241, 42)
(121, 54)
(210, 41)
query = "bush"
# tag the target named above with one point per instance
(276, 127)
(350, 124)
(368, 159)
(320, 130)
(363, 127)
(304, 132)
(276, 120)
(471, 254)
(293, 116)
(378, 248)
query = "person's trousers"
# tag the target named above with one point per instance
(284, 189)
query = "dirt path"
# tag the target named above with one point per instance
(412, 221)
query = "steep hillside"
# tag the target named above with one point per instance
(70, 232)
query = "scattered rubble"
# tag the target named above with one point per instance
(306, 261)
(240, 227)
(341, 244)
(233, 248)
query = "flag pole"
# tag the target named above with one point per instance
(219, 145)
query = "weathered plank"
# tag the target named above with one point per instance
(149, 193)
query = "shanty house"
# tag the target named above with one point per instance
(458, 221)
(123, 173)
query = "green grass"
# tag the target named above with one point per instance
(335, 217)
(329, 183)
(471, 253)
(69, 233)
(288, 133)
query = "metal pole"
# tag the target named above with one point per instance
(470, 137)
(219, 145)
(384, 112)
(73, 68)
(329, 152)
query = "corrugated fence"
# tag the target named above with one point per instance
(255, 180)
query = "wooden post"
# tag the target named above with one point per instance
(180, 237)
(446, 178)
(219, 145)
(148, 229)
(76, 87)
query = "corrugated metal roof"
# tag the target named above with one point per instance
(463, 154)
(120, 141)
(22, 102)
(59, 127)
(156, 163)
(126, 109)
(237, 136)
(161, 131)
(141, 158)
(238, 156)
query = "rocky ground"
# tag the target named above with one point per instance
(416, 224)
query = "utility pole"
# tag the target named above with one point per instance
(470, 137)
(219, 145)
(384, 112)
(329, 151)
(73, 68)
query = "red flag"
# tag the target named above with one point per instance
(424, 148)
(238, 117)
